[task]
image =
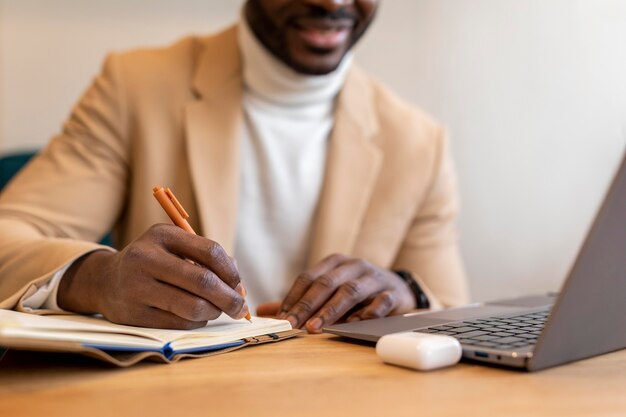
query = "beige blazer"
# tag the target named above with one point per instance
(173, 117)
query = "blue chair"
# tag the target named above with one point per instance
(12, 163)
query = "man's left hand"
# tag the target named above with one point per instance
(341, 287)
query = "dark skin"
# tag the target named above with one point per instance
(311, 36)
(341, 287)
(152, 282)
(167, 278)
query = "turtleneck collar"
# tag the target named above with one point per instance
(271, 80)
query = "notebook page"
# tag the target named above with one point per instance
(111, 340)
(93, 330)
(223, 328)
(14, 324)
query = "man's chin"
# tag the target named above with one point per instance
(315, 63)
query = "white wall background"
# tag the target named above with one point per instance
(533, 91)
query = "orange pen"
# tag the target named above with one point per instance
(176, 213)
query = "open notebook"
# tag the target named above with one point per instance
(127, 345)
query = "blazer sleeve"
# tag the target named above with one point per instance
(69, 195)
(430, 248)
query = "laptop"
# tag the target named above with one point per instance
(587, 317)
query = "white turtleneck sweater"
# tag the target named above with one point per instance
(288, 119)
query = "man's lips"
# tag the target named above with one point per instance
(324, 39)
(324, 33)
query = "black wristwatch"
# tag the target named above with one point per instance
(421, 300)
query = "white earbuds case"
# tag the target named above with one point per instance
(419, 350)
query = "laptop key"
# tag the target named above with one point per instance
(502, 334)
(431, 331)
(486, 337)
(464, 329)
(492, 329)
(484, 326)
(440, 327)
(509, 340)
(457, 325)
(500, 323)
(445, 333)
(506, 327)
(518, 331)
(473, 334)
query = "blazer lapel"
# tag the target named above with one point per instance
(352, 169)
(213, 129)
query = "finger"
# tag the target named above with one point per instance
(239, 288)
(179, 302)
(323, 288)
(146, 316)
(305, 279)
(381, 306)
(198, 281)
(347, 296)
(268, 309)
(200, 250)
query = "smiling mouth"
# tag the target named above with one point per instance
(324, 34)
(324, 39)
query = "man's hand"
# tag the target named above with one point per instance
(152, 282)
(343, 287)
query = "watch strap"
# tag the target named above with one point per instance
(421, 299)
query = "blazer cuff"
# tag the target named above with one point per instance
(46, 295)
(17, 292)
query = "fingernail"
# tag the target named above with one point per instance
(241, 290)
(245, 310)
(314, 325)
(292, 320)
(353, 319)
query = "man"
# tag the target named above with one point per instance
(287, 157)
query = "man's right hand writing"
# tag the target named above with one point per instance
(151, 282)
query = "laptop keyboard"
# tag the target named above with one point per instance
(504, 333)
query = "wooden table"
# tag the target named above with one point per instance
(306, 376)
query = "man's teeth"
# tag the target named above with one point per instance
(324, 30)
